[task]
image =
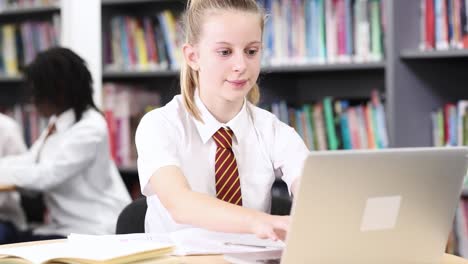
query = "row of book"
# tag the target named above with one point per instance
(143, 43)
(123, 108)
(325, 31)
(19, 43)
(450, 124)
(337, 124)
(28, 119)
(15, 4)
(444, 24)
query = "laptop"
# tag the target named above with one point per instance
(373, 206)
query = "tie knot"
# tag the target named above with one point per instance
(223, 138)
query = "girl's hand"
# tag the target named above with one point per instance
(273, 227)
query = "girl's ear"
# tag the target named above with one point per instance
(191, 56)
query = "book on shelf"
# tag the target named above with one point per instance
(28, 120)
(123, 107)
(88, 251)
(19, 43)
(332, 124)
(443, 24)
(146, 43)
(450, 124)
(326, 31)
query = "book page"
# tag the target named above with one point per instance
(85, 249)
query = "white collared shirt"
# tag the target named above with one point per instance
(262, 146)
(82, 186)
(11, 143)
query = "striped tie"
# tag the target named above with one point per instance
(227, 175)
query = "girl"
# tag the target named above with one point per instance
(70, 162)
(209, 157)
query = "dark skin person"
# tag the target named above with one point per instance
(47, 110)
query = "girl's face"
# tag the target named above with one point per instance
(46, 110)
(228, 56)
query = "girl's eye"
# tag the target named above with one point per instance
(252, 52)
(224, 52)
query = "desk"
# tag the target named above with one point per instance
(218, 259)
(7, 188)
(447, 259)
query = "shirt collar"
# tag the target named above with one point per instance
(238, 124)
(64, 120)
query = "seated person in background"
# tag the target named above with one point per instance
(11, 214)
(70, 162)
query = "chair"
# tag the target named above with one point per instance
(280, 199)
(132, 217)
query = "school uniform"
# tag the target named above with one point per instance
(71, 165)
(263, 147)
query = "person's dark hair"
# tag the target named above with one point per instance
(60, 77)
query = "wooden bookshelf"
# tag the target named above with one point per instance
(436, 54)
(34, 10)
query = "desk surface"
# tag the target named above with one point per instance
(447, 259)
(218, 259)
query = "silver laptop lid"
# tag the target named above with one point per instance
(394, 206)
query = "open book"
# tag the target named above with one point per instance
(88, 252)
(195, 241)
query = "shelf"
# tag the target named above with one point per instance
(132, 2)
(138, 74)
(274, 69)
(325, 67)
(438, 54)
(4, 79)
(29, 10)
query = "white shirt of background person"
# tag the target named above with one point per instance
(82, 189)
(11, 143)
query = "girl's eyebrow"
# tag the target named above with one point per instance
(227, 43)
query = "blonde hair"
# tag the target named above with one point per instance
(193, 21)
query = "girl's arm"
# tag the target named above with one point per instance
(193, 208)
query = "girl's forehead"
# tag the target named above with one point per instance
(230, 26)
